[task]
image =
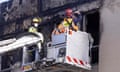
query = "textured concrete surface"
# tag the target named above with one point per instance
(110, 37)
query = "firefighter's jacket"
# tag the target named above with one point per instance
(33, 29)
(67, 24)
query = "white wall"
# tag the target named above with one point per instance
(110, 40)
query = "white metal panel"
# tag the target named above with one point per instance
(8, 41)
(25, 40)
(60, 38)
(51, 53)
(78, 49)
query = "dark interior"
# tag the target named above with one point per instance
(93, 22)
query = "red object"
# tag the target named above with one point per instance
(69, 59)
(75, 60)
(81, 62)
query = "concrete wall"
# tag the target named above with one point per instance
(110, 39)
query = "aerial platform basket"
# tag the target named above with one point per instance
(71, 49)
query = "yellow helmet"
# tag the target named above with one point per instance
(36, 20)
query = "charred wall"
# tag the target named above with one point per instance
(54, 6)
(16, 15)
(15, 9)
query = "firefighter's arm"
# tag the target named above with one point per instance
(75, 27)
(30, 29)
(61, 28)
(55, 31)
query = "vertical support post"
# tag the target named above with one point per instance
(25, 54)
(37, 57)
(84, 23)
(38, 50)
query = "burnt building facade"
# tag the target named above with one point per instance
(16, 15)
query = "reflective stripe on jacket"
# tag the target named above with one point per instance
(67, 22)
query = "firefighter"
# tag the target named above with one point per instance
(35, 23)
(78, 18)
(34, 29)
(68, 22)
(59, 19)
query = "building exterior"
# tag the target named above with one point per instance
(110, 33)
(16, 15)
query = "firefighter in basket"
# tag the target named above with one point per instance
(67, 23)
